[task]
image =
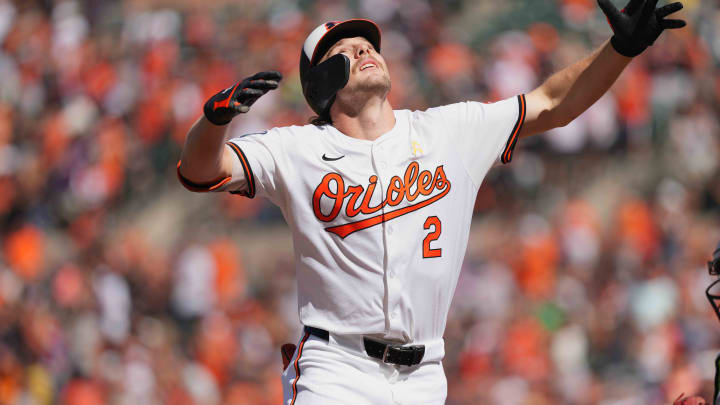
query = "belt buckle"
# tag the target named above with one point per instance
(412, 351)
(399, 350)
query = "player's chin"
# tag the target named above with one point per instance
(373, 83)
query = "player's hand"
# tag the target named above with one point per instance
(223, 106)
(682, 400)
(639, 24)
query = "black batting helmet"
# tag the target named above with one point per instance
(320, 82)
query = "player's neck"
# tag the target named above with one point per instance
(370, 121)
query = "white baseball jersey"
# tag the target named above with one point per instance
(380, 228)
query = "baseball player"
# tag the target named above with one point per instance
(379, 201)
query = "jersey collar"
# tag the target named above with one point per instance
(399, 128)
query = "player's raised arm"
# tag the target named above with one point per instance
(205, 162)
(571, 91)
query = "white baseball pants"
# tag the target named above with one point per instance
(332, 373)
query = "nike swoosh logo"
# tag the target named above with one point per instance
(329, 159)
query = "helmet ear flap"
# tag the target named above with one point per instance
(322, 82)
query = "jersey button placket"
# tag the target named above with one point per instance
(379, 165)
(394, 288)
(394, 294)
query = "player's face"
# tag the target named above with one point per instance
(368, 71)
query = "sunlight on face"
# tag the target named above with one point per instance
(368, 71)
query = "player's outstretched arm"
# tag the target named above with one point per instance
(571, 91)
(205, 159)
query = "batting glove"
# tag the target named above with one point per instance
(639, 24)
(222, 107)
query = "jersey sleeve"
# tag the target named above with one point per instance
(256, 170)
(482, 133)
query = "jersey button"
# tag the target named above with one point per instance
(390, 230)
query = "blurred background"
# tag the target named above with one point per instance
(584, 278)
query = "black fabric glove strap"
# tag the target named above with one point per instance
(626, 48)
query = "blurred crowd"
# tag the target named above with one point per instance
(584, 278)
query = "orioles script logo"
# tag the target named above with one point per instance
(413, 184)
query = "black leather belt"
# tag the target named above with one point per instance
(388, 353)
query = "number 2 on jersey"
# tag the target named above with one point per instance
(433, 222)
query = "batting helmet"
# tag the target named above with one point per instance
(320, 82)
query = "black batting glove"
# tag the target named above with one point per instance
(222, 107)
(639, 24)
